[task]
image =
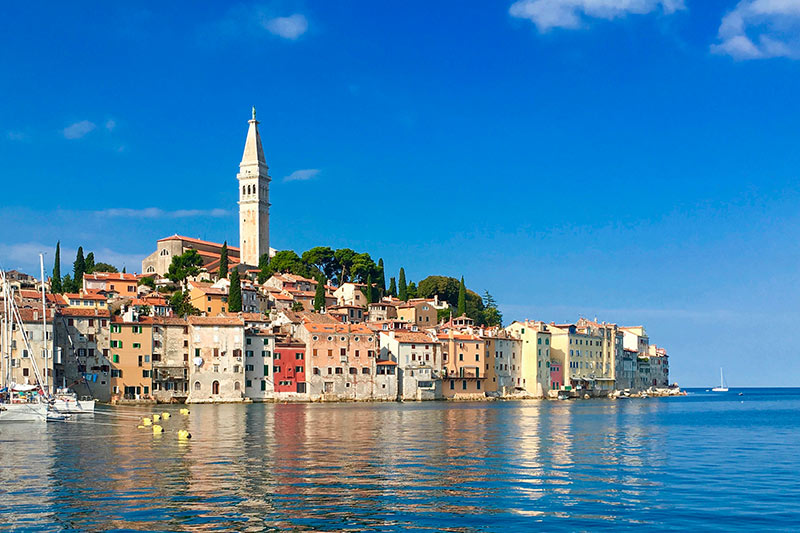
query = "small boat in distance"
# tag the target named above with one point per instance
(722, 387)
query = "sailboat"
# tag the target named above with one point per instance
(722, 387)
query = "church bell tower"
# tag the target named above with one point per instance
(254, 181)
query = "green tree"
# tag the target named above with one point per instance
(344, 258)
(223, 260)
(78, 270)
(89, 263)
(235, 292)
(369, 290)
(402, 288)
(321, 259)
(392, 287)
(144, 310)
(182, 305)
(183, 266)
(446, 288)
(286, 261)
(319, 296)
(297, 307)
(105, 267)
(491, 314)
(411, 290)
(66, 284)
(123, 269)
(363, 267)
(381, 277)
(462, 298)
(263, 268)
(55, 281)
(148, 282)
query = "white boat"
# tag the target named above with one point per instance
(66, 401)
(23, 412)
(722, 387)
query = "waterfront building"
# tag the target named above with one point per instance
(578, 352)
(170, 359)
(533, 368)
(418, 363)
(38, 353)
(289, 369)
(342, 362)
(627, 370)
(462, 366)
(259, 349)
(131, 343)
(216, 372)
(503, 362)
(82, 347)
(659, 366)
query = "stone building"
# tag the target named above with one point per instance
(82, 351)
(253, 198)
(463, 366)
(170, 359)
(216, 370)
(35, 355)
(131, 345)
(259, 349)
(419, 363)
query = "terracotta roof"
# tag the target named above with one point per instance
(79, 296)
(111, 276)
(89, 313)
(197, 241)
(411, 336)
(29, 314)
(215, 321)
(279, 296)
(337, 328)
(170, 321)
(386, 363)
(254, 317)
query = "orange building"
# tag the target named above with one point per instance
(124, 285)
(208, 299)
(421, 313)
(463, 363)
(131, 342)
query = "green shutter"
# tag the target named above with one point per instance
(266, 370)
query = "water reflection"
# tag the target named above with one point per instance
(432, 466)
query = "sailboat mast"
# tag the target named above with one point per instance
(44, 330)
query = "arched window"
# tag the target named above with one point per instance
(244, 190)
(237, 386)
(215, 387)
(196, 385)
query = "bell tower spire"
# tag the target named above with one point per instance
(254, 182)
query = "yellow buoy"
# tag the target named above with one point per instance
(156, 418)
(146, 422)
(184, 411)
(183, 434)
(157, 429)
(139, 427)
(165, 416)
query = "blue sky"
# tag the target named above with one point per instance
(574, 157)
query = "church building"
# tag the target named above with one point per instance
(253, 190)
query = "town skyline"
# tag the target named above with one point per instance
(561, 182)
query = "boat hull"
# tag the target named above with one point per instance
(23, 412)
(73, 406)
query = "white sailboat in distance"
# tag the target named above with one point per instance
(722, 387)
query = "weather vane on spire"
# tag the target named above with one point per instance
(254, 112)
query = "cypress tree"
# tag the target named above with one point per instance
(78, 270)
(123, 270)
(89, 263)
(235, 293)
(319, 296)
(368, 291)
(263, 268)
(392, 287)
(381, 277)
(462, 298)
(402, 289)
(223, 260)
(55, 281)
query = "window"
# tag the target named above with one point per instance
(146, 358)
(342, 352)
(196, 385)
(464, 385)
(248, 383)
(452, 385)
(115, 358)
(298, 355)
(145, 373)
(265, 353)
(339, 370)
(276, 369)
(365, 370)
(353, 370)
(266, 370)
(330, 353)
(136, 329)
(197, 352)
(263, 385)
(316, 371)
(298, 369)
(249, 340)
(477, 357)
(461, 357)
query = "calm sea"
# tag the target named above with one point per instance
(707, 461)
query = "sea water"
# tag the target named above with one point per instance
(707, 461)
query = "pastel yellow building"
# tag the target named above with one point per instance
(535, 357)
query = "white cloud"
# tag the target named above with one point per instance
(79, 129)
(758, 29)
(290, 27)
(302, 175)
(547, 14)
(110, 124)
(155, 212)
